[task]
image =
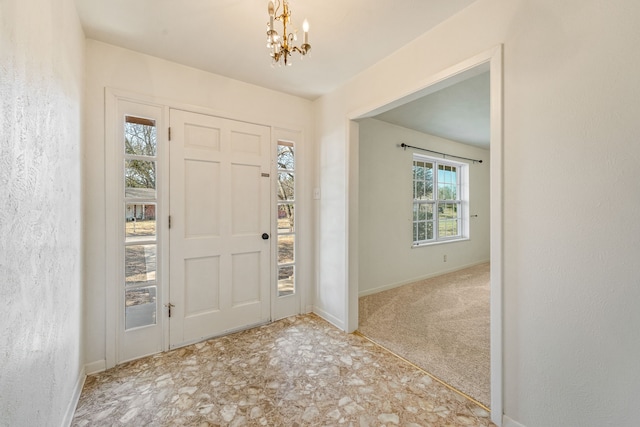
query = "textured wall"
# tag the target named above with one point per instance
(41, 72)
(571, 195)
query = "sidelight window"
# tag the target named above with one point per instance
(139, 205)
(286, 218)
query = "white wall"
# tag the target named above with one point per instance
(571, 245)
(330, 296)
(179, 86)
(41, 83)
(385, 221)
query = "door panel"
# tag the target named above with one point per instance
(246, 272)
(220, 207)
(202, 208)
(245, 180)
(201, 281)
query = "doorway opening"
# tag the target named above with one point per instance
(489, 62)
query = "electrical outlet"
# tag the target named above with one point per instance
(445, 258)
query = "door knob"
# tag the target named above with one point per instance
(265, 236)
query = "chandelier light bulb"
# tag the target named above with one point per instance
(305, 28)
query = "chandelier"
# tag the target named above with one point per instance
(281, 46)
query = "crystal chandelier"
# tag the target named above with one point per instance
(281, 46)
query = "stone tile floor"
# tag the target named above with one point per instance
(299, 371)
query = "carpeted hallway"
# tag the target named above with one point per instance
(440, 324)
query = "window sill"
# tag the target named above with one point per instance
(439, 242)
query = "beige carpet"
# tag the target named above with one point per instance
(439, 324)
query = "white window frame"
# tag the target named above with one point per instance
(462, 200)
(113, 198)
(296, 302)
(293, 232)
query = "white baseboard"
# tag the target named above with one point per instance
(73, 403)
(329, 318)
(416, 279)
(508, 422)
(95, 367)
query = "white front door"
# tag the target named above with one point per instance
(220, 206)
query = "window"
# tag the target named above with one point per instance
(439, 200)
(286, 223)
(140, 201)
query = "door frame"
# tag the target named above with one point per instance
(289, 305)
(492, 57)
(113, 221)
(305, 211)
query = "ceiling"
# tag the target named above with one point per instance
(459, 112)
(228, 37)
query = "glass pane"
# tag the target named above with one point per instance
(140, 221)
(428, 178)
(421, 231)
(140, 136)
(448, 219)
(286, 245)
(447, 211)
(418, 190)
(140, 179)
(423, 180)
(285, 186)
(448, 228)
(285, 156)
(286, 281)
(140, 307)
(447, 192)
(447, 182)
(425, 212)
(418, 171)
(140, 264)
(285, 218)
(418, 178)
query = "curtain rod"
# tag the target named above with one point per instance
(404, 147)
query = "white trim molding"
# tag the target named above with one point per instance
(508, 422)
(75, 398)
(329, 318)
(95, 367)
(488, 60)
